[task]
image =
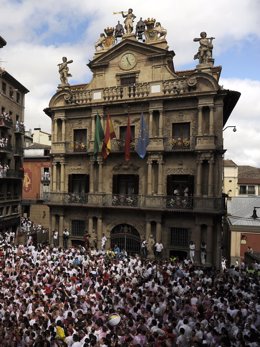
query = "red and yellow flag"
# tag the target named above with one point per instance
(109, 135)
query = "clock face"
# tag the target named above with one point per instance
(128, 61)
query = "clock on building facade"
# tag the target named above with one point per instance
(128, 61)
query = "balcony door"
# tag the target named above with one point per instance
(126, 184)
(78, 184)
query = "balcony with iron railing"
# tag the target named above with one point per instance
(134, 201)
(5, 122)
(46, 178)
(5, 147)
(8, 173)
(8, 196)
(62, 147)
(19, 128)
(168, 144)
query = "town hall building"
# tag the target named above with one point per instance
(137, 152)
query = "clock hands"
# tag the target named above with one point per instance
(128, 61)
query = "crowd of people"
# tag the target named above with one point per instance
(52, 296)
(4, 142)
(31, 230)
(3, 169)
(5, 116)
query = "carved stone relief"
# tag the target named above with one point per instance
(180, 171)
(126, 167)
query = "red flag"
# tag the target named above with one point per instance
(109, 134)
(128, 139)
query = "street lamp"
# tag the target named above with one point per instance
(231, 126)
(254, 215)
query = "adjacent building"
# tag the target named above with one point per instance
(12, 96)
(162, 179)
(36, 183)
(242, 186)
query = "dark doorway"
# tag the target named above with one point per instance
(127, 238)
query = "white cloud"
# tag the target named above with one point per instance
(243, 146)
(33, 30)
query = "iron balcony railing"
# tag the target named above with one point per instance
(136, 201)
(118, 145)
(19, 128)
(5, 122)
(11, 173)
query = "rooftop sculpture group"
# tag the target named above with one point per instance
(148, 31)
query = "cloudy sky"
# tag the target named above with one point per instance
(40, 33)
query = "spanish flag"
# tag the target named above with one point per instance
(109, 135)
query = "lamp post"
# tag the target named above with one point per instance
(231, 126)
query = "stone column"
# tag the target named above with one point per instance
(160, 176)
(199, 121)
(209, 244)
(149, 177)
(55, 130)
(99, 231)
(100, 175)
(151, 123)
(198, 177)
(52, 229)
(93, 127)
(158, 232)
(91, 174)
(160, 123)
(90, 225)
(148, 230)
(61, 228)
(211, 120)
(63, 128)
(62, 177)
(54, 177)
(211, 180)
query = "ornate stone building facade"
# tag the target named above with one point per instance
(12, 96)
(173, 194)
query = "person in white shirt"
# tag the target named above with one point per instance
(103, 242)
(158, 250)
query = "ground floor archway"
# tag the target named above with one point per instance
(127, 238)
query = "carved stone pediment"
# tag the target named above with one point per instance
(123, 167)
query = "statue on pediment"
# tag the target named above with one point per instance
(105, 41)
(64, 71)
(119, 30)
(161, 32)
(100, 42)
(140, 29)
(204, 53)
(129, 20)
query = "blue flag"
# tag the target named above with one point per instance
(143, 138)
